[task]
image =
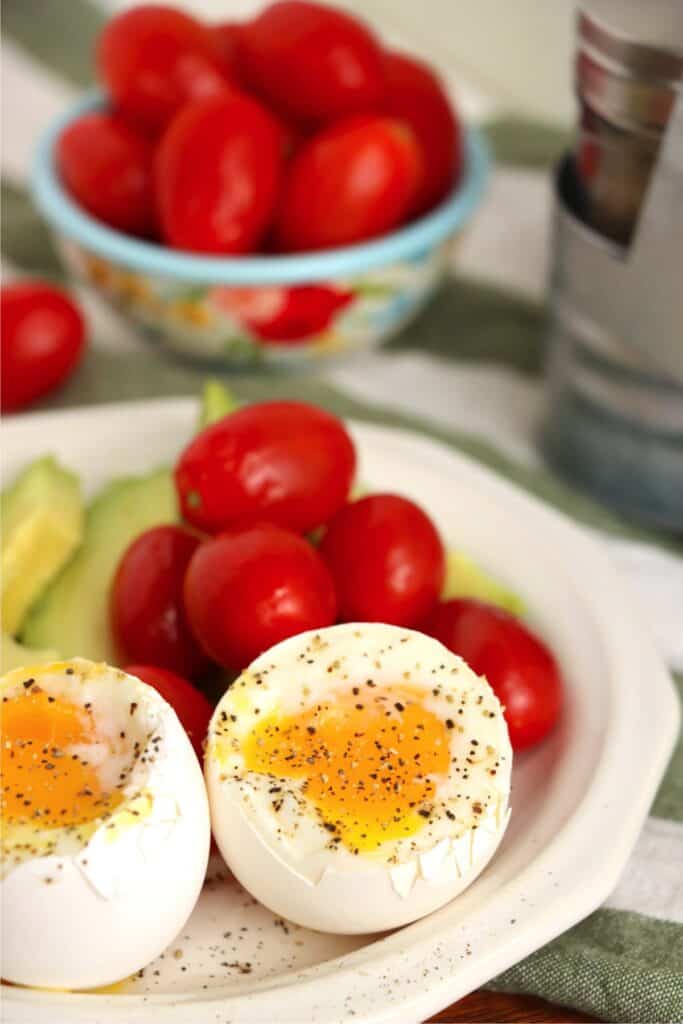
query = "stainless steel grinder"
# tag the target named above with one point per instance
(614, 418)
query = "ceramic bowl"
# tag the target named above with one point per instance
(259, 310)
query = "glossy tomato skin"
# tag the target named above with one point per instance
(287, 463)
(217, 175)
(354, 180)
(386, 559)
(153, 59)
(312, 62)
(43, 337)
(415, 95)
(189, 703)
(147, 612)
(519, 667)
(106, 164)
(247, 590)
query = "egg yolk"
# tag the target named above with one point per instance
(370, 765)
(47, 777)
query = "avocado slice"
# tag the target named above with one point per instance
(217, 402)
(464, 578)
(42, 525)
(73, 614)
(15, 655)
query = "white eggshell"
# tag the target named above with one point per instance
(100, 915)
(361, 901)
(333, 890)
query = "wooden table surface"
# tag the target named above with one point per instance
(499, 1008)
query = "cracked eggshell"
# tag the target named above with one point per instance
(104, 911)
(337, 891)
(361, 901)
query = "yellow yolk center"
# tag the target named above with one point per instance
(47, 777)
(370, 764)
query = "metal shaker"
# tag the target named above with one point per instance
(614, 421)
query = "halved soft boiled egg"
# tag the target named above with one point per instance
(105, 826)
(358, 777)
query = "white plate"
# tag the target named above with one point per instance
(578, 801)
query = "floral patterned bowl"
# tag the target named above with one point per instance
(260, 310)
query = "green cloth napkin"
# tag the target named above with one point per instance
(616, 964)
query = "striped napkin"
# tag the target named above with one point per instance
(469, 374)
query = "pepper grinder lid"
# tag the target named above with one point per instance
(629, 60)
(630, 70)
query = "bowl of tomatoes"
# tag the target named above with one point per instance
(267, 192)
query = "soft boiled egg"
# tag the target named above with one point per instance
(105, 826)
(358, 777)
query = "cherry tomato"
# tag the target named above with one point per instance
(147, 612)
(352, 181)
(153, 59)
(517, 664)
(217, 175)
(247, 590)
(189, 703)
(107, 167)
(310, 61)
(287, 463)
(386, 559)
(43, 336)
(415, 95)
(286, 316)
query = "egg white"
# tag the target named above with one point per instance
(280, 850)
(87, 906)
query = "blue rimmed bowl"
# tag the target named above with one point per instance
(259, 310)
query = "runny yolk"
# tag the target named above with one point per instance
(370, 764)
(47, 778)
